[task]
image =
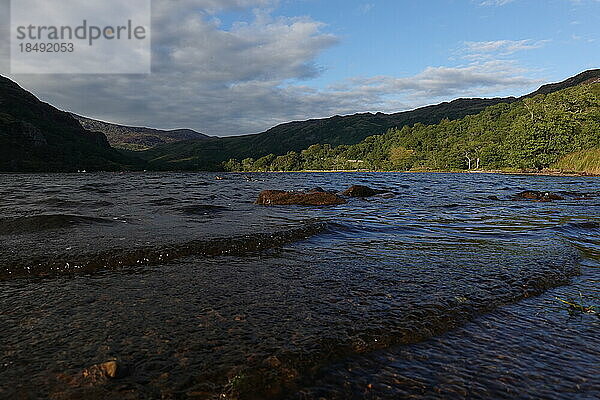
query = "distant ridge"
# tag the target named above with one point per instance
(37, 137)
(589, 76)
(138, 138)
(298, 135)
(337, 130)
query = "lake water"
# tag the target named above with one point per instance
(436, 292)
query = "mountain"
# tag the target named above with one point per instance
(337, 130)
(295, 136)
(137, 138)
(36, 137)
(556, 130)
(589, 76)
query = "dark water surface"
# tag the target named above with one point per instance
(437, 292)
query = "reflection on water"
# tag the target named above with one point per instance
(202, 294)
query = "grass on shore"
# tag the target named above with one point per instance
(587, 161)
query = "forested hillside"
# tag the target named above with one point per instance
(531, 134)
(295, 136)
(335, 131)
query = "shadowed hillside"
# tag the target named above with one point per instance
(137, 138)
(36, 137)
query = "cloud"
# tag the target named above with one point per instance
(584, 38)
(4, 33)
(438, 82)
(264, 49)
(254, 74)
(366, 8)
(499, 3)
(498, 48)
(164, 7)
(217, 80)
(496, 3)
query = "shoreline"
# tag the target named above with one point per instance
(490, 172)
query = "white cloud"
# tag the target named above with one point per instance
(498, 3)
(163, 7)
(264, 49)
(439, 82)
(252, 75)
(495, 2)
(501, 47)
(366, 8)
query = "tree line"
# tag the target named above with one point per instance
(531, 134)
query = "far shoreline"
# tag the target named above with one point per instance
(483, 172)
(555, 173)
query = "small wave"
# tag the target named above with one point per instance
(582, 226)
(72, 204)
(165, 201)
(584, 236)
(118, 258)
(101, 188)
(448, 206)
(38, 223)
(287, 370)
(59, 202)
(578, 230)
(579, 195)
(202, 209)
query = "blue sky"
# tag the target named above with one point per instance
(403, 37)
(226, 67)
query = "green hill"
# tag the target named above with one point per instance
(36, 137)
(335, 131)
(533, 133)
(295, 136)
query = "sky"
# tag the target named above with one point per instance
(230, 67)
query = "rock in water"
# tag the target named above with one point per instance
(283, 198)
(103, 372)
(362, 191)
(538, 196)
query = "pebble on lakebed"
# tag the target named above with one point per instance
(104, 371)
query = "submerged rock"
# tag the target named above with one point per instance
(313, 198)
(538, 196)
(272, 362)
(105, 371)
(362, 191)
(579, 195)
